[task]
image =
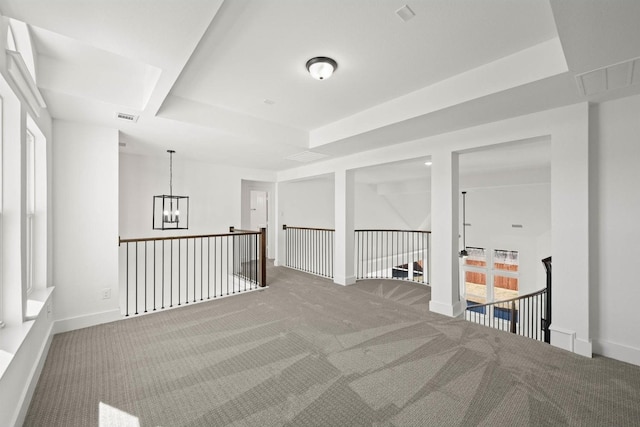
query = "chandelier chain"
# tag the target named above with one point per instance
(170, 172)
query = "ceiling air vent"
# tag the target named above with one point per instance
(612, 77)
(306, 156)
(405, 13)
(127, 117)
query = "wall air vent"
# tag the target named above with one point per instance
(516, 226)
(306, 156)
(128, 117)
(612, 77)
(123, 144)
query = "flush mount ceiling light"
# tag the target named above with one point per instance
(321, 67)
(170, 212)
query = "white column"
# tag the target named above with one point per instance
(570, 233)
(343, 264)
(279, 258)
(445, 287)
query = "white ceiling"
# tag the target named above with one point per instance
(197, 72)
(531, 158)
(257, 50)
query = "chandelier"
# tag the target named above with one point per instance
(170, 212)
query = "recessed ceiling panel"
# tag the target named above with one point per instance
(68, 66)
(256, 50)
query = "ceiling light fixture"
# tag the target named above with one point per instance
(170, 212)
(428, 163)
(321, 67)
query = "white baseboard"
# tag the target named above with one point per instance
(344, 281)
(583, 347)
(85, 321)
(568, 340)
(562, 338)
(451, 310)
(617, 351)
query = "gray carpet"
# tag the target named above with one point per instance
(306, 352)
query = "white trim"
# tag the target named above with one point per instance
(562, 338)
(617, 351)
(583, 347)
(28, 345)
(34, 376)
(2, 126)
(24, 82)
(2, 324)
(85, 321)
(344, 281)
(30, 250)
(453, 310)
(567, 340)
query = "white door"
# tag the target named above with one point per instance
(259, 204)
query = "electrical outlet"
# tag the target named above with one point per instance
(106, 293)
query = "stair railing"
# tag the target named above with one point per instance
(164, 272)
(393, 254)
(524, 315)
(309, 249)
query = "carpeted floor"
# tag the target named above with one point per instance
(307, 352)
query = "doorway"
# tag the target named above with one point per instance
(259, 210)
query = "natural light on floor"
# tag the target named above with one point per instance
(114, 417)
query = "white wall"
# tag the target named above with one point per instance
(214, 193)
(491, 213)
(615, 212)
(392, 207)
(310, 203)
(85, 222)
(307, 203)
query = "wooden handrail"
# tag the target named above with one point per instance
(286, 227)
(193, 236)
(397, 231)
(232, 229)
(541, 291)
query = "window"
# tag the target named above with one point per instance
(23, 210)
(505, 274)
(475, 275)
(31, 206)
(36, 207)
(500, 272)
